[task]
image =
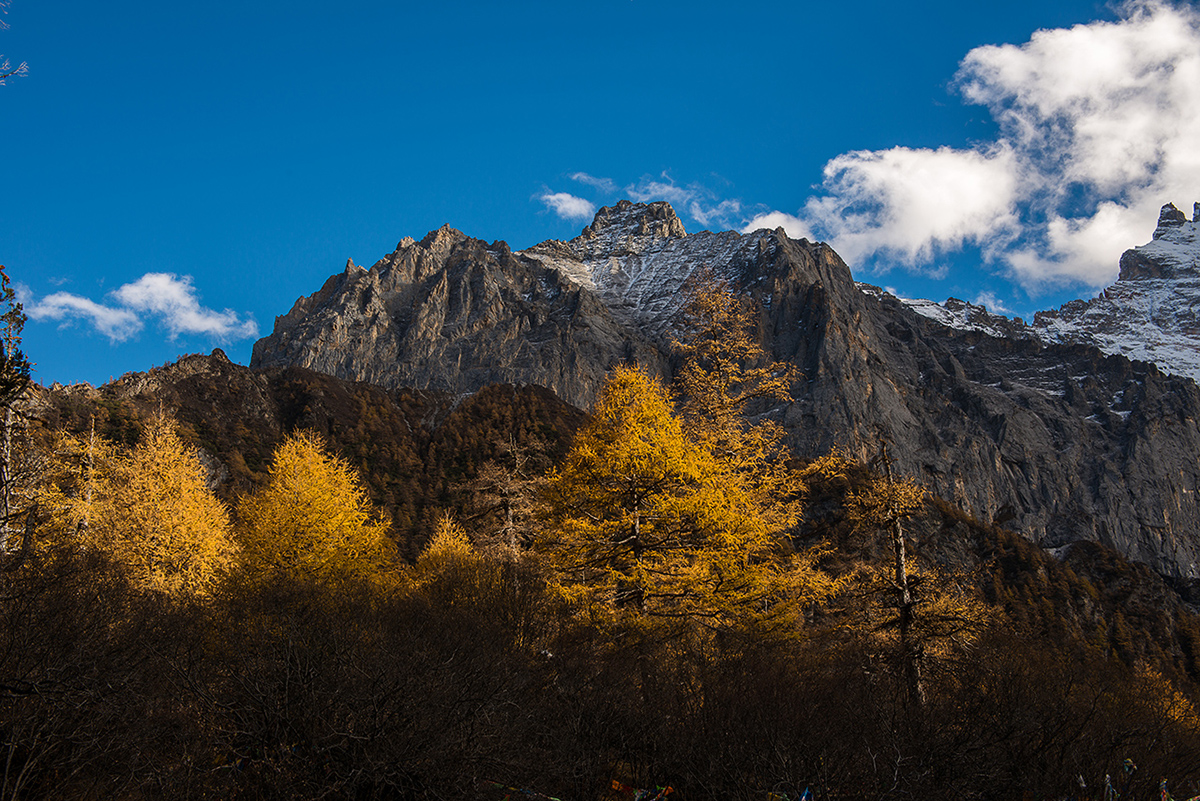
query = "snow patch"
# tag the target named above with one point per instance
(640, 277)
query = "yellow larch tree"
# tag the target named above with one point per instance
(642, 518)
(448, 547)
(450, 570)
(152, 510)
(725, 370)
(73, 470)
(313, 519)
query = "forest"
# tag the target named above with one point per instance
(374, 595)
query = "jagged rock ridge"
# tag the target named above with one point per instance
(1151, 313)
(1059, 442)
(452, 313)
(455, 314)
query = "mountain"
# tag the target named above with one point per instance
(1151, 313)
(1060, 442)
(960, 315)
(455, 314)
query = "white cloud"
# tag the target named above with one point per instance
(605, 185)
(115, 323)
(992, 302)
(695, 200)
(911, 205)
(174, 301)
(1098, 127)
(1084, 250)
(168, 298)
(1105, 104)
(715, 215)
(568, 206)
(649, 190)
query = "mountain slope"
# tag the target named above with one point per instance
(417, 451)
(1059, 442)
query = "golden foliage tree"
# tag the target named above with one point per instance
(313, 518)
(70, 470)
(724, 370)
(510, 593)
(449, 546)
(149, 508)
(450, 571)
(643, 517)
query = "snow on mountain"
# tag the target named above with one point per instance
(960, 315)
(1151, 313)
(638, 258)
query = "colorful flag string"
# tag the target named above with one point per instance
(805, 796)
(657, 794)
(509, 792)
(1165, 795)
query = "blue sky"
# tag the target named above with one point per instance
(176, 175)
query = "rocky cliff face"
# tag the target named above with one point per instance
(455, 314)
(1059, 442)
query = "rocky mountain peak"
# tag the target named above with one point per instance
(627, 219)
(1151, 313)
(636, 258)
(1173, 252)
(1169, 218)
(442, 239)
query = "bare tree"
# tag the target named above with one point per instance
(7, 70)
(503, 499)
(14, 380)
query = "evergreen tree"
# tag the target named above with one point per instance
(313, 518)
(14, 380)
(151, 509)
(641, 517)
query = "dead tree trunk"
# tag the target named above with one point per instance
(910, 652)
